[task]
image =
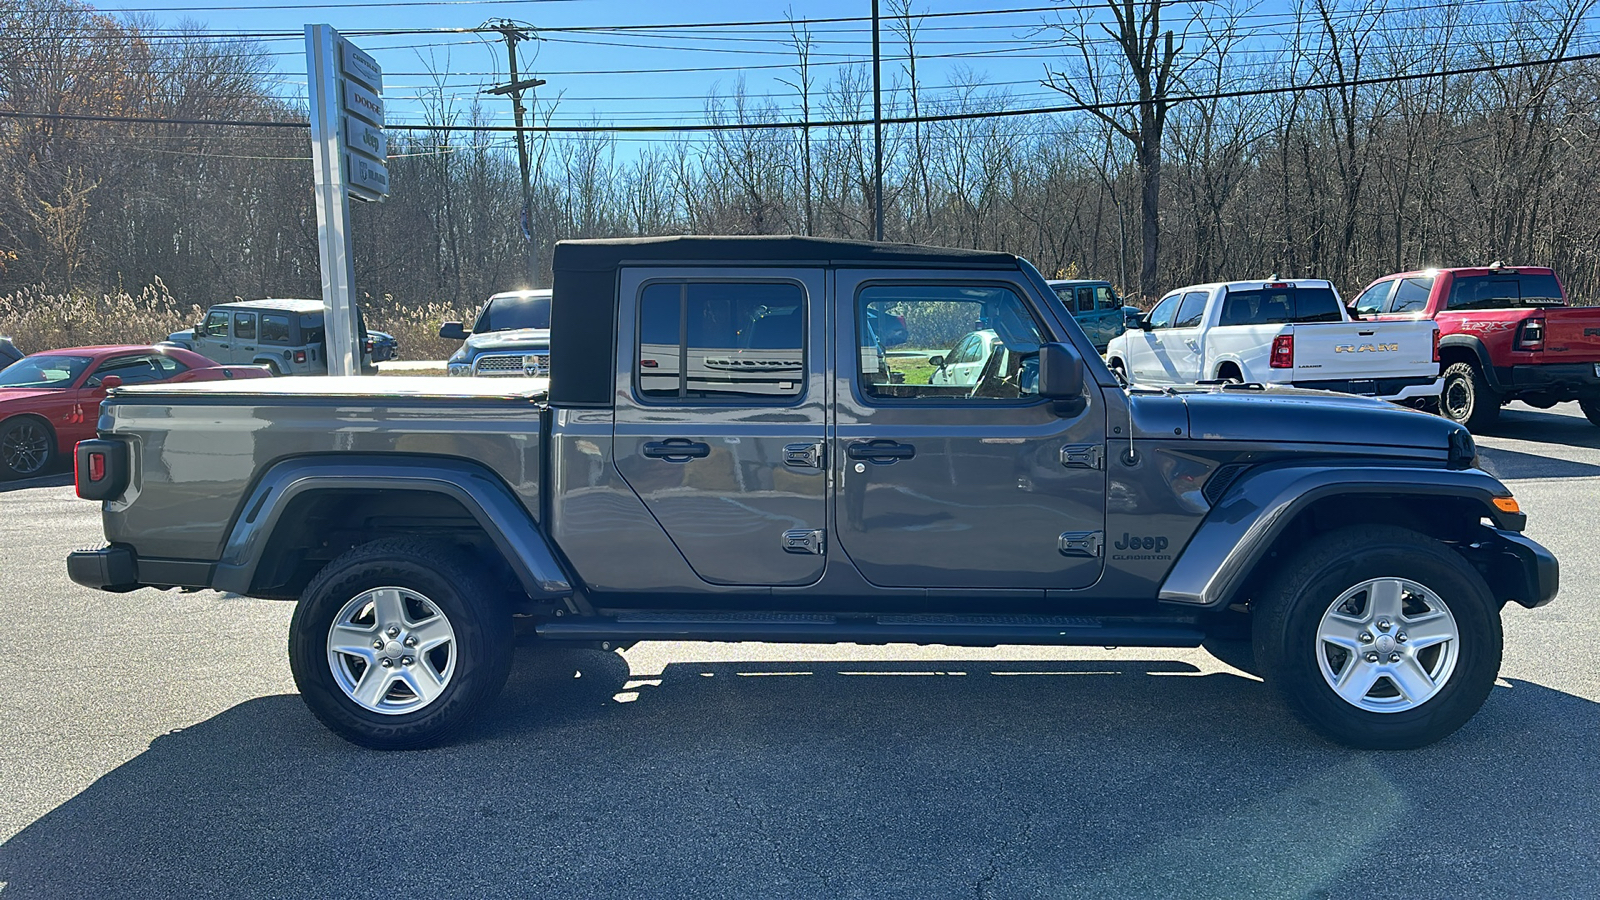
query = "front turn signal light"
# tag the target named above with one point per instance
(1507, 504)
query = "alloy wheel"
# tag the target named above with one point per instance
(392, 651)
(1387, 645)
(25, 448)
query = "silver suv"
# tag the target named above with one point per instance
(510, 337)
(286, 336)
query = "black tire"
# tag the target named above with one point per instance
(1591, 410)
(27, 447)
(1466, 397)
(273, 368)
(1292, 657)
(473, 607)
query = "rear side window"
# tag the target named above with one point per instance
(274, 329)
(1280, 306)
(141, 369)
(1191, 310)
(311, 330)
(1503, 291)
(1085, 299)
(721, 341)
(1412, 295)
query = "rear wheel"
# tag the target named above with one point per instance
(27, 447)
(1379, 638)
(398, 644)
(1591, 410)
(1466, 397)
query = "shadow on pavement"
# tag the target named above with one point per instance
(1525, 423)
(882, 779)
(52, 479)
(1516, 464)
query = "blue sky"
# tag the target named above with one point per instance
(1010, 48)
(662, 77)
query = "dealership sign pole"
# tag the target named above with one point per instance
(349, 153)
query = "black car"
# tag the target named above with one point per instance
(8, 352)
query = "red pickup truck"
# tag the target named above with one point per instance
(1505, 333)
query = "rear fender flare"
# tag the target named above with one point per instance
(1479, 352)
(501, 515)
(1237, 533)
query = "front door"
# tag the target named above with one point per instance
(214, 341)
(721, 415)
(941, 485)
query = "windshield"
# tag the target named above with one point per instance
(513, 311)
(48, 371)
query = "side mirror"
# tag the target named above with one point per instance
(1061, 376)
(453, 331)
(936, 361)
(1131, 321)
(109, 382)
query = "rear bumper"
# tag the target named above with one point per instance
(1416, 388)
(117, 568)
(1563, 381)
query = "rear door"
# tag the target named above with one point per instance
(719, 427)
(962, 487)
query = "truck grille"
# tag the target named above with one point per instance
(512, 364)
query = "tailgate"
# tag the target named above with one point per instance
(1402, 349)
(1572, 334)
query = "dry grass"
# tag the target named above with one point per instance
(37, 319)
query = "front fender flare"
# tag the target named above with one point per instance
(1238, 532)
(501, 515)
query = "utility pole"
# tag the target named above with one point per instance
(877, 131)
(514, 88)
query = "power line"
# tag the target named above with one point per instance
(846, 123)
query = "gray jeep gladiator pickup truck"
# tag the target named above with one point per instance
(727, 452)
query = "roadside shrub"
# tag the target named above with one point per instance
(38, 320)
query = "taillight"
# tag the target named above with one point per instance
(1531, 335)
(300, 356)
(1436, 344)
(100, 469)
(1282, 352)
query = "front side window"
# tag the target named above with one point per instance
(1161, 316)
(1190, 310)
(217, 323)
(144, 368)
(721, 341)
(993, 336)
(244, 326)
(1412, 295)
(1106, 298)
(1373, 299)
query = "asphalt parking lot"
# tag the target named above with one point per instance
(151, 745)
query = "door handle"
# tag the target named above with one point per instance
(676, 450)
(223, 346)
(880, 451)
(249, 348)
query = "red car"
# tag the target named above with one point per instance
(50, 401)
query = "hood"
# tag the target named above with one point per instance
(518, 339)
(1306, 416)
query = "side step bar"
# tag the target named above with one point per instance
(961, 631)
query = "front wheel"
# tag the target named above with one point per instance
(397, 644)
(27, 446)
(1380, 638)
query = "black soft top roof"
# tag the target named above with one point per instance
(599, 255)
(583, 309)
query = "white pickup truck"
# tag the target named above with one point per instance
(1294, 332)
